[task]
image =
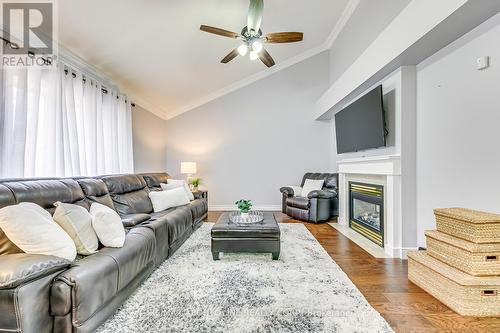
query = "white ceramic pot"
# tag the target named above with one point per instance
(245, 215)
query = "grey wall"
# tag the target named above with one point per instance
(149, 141)
(253, 141)
(369, 19)
(458, 113)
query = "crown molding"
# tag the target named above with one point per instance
(344, 18)
(326, 45)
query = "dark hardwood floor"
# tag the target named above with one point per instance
(385, 285)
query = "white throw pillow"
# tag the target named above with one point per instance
(163, 200)
(182, 183)
(167, 187)
(297, 190)
(77, 222)
(33, 230)
(107, 225)
(312, 185)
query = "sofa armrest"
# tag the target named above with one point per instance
(200, 194)
(322, 194)
(17, 269)
(291, 190)
(134, 219)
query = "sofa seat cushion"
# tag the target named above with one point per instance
(199, 208)
(298, 202)
(136, 254)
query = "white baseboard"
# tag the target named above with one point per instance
(266, 208)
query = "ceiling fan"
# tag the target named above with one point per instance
(253, 38)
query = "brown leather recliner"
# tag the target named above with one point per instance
(318, 206)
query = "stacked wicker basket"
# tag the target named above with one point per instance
(461, 266)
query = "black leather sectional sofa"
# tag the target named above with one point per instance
(48, 294)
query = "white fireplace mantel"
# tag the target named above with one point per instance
(374, 165)
(379, 170)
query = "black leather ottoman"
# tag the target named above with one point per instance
(262, 237)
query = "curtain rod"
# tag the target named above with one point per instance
(15, 46)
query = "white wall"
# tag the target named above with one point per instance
(369, 19)
(149, 141)
(458, 119)
(253, 141)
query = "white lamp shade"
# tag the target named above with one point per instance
(188, 168)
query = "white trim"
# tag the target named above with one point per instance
(344, 18)
(404, 252)
(225, 208)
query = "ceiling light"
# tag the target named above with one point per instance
(257, 46)
(243, 49)
(254, 55)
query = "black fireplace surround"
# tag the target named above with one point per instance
(366, 211)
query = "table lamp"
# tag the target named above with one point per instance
(189, 169)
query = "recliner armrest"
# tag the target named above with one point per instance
(290, 190)
(200, 194)
(17, 269)
(322, 194)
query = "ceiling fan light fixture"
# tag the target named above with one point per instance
(257, 46)
(254, 55)
(243, 49)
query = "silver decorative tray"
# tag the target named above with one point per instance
(251, 217)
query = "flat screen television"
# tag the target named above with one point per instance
(361, 125)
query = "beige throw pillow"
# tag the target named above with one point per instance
(33, 230)
(77, 222)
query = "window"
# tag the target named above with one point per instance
(58, 122)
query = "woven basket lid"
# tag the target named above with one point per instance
(468, 215)
(453, 274)
(463, 244)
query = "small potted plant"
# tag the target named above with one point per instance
(195, 183)
(244, 206)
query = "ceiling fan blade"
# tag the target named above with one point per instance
(284, 37)
(218, 31)
(233, 54)
(255, 13)
(266, 58)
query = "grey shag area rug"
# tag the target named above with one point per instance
(304, 291)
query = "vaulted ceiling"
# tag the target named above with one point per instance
(154, 50)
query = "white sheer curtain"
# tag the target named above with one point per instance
(53, 122)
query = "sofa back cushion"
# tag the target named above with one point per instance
(153, 180)
(129, 194)
(331, 179)
(96, 191)
(47, 192)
